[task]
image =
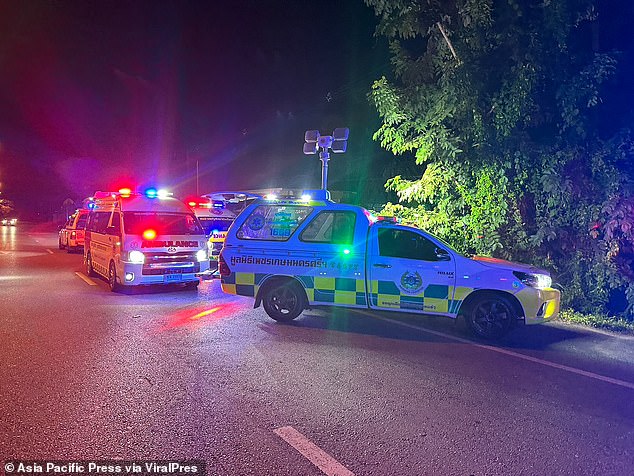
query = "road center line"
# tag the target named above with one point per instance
(50, 252)
(86, 278)
(565, 368)
(313, 453)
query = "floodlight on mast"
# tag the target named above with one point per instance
(337, 142)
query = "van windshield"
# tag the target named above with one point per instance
(136, 223)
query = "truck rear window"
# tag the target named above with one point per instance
(273, 222)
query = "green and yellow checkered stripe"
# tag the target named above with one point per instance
(319, 290)
(243, 284)
(351, 292)
(434, 298)
(343, 291)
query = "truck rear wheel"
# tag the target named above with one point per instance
(490, 316)
(284, 301)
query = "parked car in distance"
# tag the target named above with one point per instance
(71, 235)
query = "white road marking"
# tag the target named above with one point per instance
(313, 453)
(49, 251)
(547, 363)
(86, 278)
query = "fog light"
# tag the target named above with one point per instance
(129, 277)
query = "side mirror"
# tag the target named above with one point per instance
(442, 255)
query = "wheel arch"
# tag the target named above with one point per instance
(276, 279)
(473, 296)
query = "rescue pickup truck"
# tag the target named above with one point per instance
(293, 254)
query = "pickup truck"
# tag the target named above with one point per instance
(293, 254)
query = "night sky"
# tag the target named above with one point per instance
(97, 95)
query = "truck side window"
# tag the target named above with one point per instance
(406, 244)
(331, 227)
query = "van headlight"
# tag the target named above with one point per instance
(202, 255)
(136, 257)
(534, 280)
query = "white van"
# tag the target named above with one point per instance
(216, 212)
(151, 238)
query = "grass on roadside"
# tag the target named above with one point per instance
(611, 323)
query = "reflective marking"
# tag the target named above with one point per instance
(86, 278)
(585, 373)
(49, 251)
(313, 453)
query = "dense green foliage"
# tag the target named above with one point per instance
(506, 109)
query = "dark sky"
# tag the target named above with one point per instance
(95, 95)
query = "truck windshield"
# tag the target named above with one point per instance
(215, 224)
(163, 223)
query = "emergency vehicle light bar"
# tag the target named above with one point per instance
(386, 219)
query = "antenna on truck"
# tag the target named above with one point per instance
(337, 142)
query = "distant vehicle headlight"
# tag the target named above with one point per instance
(136, 257)
(14, 221)
(202, 255)
(534, 280)
(5, 221)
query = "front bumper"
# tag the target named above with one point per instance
(540, 305)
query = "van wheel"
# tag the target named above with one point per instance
(70, 249)
(284, 301)
(59, 244)
(490, 316)
(112, 278)
(89, 270)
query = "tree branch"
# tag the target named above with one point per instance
(453, 52)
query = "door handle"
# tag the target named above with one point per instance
(381, 265)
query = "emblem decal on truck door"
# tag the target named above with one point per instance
(411, 282)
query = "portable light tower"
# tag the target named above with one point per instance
(337, 142)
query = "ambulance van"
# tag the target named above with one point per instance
(216, 212)
(144, 238)
(290, 255)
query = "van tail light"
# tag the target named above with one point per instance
(223, 267)
(73, 234)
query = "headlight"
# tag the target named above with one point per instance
(136, 257)
(539, 281)
(202, 255)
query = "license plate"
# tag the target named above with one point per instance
(173, 278)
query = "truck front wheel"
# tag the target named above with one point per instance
(490, 316)
(284, 301)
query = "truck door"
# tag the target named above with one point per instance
(408, 271)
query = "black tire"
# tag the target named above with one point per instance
(59, 244)
(70, 249)
(284, 301)
(490, 316)
(112, 278)
(89, 270)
